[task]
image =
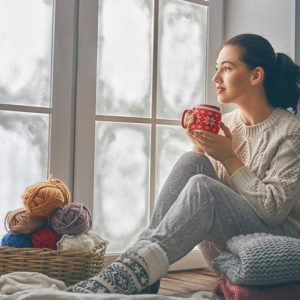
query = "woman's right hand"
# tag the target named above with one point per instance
(190, 118)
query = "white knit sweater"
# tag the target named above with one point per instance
(270, 179)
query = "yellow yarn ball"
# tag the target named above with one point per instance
(43, 198)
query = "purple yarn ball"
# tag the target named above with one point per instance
(71, 219)
(17, 240)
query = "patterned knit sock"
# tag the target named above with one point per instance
(140, 266)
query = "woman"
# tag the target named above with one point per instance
(247, 181)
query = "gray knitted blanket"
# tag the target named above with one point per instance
(260, 259)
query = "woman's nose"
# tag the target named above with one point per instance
(216, 77)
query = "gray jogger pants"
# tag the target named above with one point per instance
(194, 206)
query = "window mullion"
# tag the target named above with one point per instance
(86, 102)
(215, 40)
(154, 107)
(26, 108)
(63, 90)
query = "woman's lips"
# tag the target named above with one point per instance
(220, 90)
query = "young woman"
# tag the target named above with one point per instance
(242, 181)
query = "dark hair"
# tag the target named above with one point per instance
(282, 75)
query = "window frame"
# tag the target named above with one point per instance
(63, 90)
(73, 94)
(86, 88)
(86, 97)
(63, 74)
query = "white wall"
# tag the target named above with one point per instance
(273, 19)
(276, 20)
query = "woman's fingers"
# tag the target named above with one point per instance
(189, 119)
(197, 146)
(205, 137)
(226, 130)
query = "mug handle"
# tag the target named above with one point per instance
(183, 118)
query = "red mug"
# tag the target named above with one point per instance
(208, 117)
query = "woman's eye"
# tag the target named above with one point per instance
(223, 68)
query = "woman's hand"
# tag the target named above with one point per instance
(218, 147)
(190, 118)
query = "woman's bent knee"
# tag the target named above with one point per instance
(202, 180)
(196, 160)
(194, 156)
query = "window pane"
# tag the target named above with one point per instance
(121, 182)
(182, 57)
(171, 144)
(25, 52)
(124, 59)
(23, 156)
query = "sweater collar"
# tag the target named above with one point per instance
(256, 129)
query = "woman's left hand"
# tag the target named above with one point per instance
(217, 146)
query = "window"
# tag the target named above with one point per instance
(102, 110)
(25, 100)
(143, 63)
(36, 98)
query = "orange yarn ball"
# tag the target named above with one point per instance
(43, 198)
(21, 221)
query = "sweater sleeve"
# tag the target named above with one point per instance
(274, 195)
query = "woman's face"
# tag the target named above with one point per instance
(232, 77)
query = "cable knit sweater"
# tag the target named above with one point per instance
(270, 179)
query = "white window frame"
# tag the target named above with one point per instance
(61, 141)
(86, 103)
(64, 72)
(73, 94)
(86, 87)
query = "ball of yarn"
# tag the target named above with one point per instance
(44, 238)
(71, 219)
(98, 240)
(81, 242)
(43, 198)
(17, 240)
(21, 221)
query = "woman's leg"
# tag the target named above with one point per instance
(188, 165)
(204, 210)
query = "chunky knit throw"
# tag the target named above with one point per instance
(260, 259)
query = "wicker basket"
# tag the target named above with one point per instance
(68, 266)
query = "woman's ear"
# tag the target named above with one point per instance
(258, 75)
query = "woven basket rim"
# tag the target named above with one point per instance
(65, 265)
(100, 246)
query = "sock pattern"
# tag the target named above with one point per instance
(127, 275)
(139, 267)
